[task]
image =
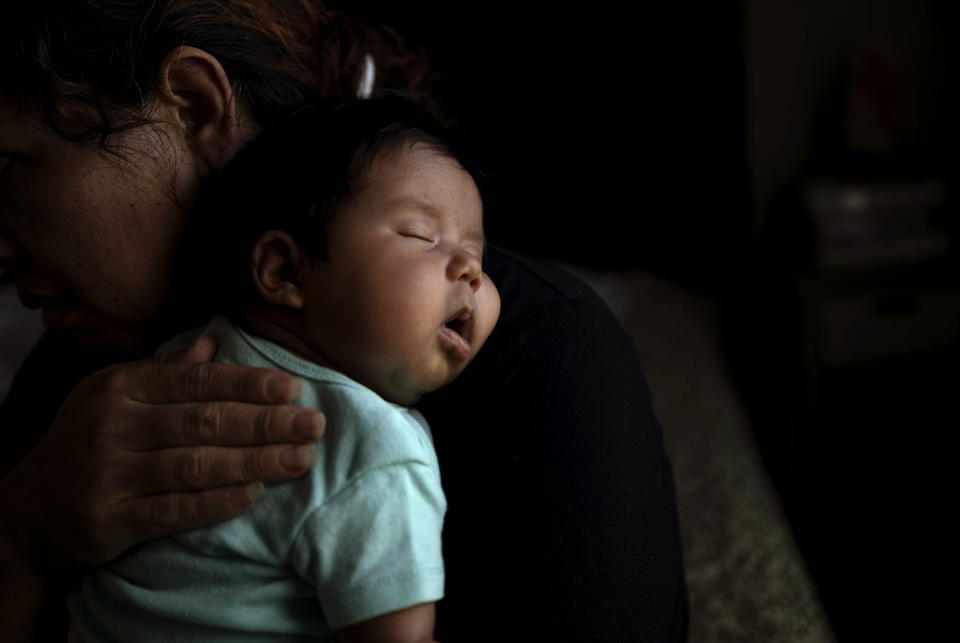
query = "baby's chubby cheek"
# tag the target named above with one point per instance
(488, 311)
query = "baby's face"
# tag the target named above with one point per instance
(401, 303)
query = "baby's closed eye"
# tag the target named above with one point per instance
(422, 232)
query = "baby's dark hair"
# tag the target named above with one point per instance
(294, 175)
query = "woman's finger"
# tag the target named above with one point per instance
(189, 376)
(202, 468)
(202, 349)
(206, 382)
(169, 513)
(223, 424)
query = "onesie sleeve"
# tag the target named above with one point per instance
(375, 547)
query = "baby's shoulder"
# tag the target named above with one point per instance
(364, 432)
(358, 414)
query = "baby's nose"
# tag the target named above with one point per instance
(466, 266)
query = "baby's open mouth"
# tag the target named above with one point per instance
(458, 330)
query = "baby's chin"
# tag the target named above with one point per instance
(403, 393)
(407, 392)
(404, 400)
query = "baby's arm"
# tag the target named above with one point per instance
(373, 549)
(411, 625)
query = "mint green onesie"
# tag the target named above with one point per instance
(357, 537)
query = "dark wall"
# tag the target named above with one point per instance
(615, 138)
(845, 332)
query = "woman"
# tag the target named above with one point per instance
(112, 116)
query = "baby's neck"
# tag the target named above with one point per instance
(285, 328)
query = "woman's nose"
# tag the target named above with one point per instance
(465, 266)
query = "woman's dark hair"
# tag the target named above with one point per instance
(91, 65)
(294, 175)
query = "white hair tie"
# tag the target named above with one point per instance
(365, 86)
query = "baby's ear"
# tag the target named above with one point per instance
(277, 262)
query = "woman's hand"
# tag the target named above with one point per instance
(153, 447)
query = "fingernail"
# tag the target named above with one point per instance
(298, 458)
(307, 426)
(256, 490)
(277, 387)
(284, 388)
(246, 496)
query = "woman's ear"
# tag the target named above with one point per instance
(193, 84)
(278, 264)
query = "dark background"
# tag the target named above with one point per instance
(686, 140)
(613, 139)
